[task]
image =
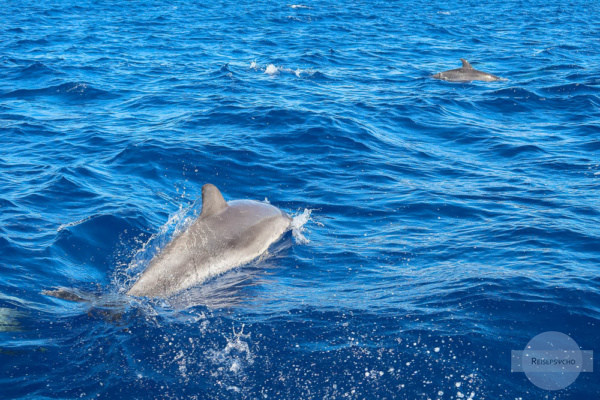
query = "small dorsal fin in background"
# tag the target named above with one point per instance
(466, 64)
(212, 201)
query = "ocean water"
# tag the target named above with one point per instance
(440, 225)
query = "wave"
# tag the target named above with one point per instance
(101, 240)
(561, 67)
(571, 89)
(27, 42)
(592, 145)
(60, 189)
(35, 70)
(517, 99)
(6, 204)
(515, 93)
(510, 150)
(67, 91)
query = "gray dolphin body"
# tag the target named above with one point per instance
(225, 235)
(466, 73)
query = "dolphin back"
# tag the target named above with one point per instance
(466, 73)
(224, 236)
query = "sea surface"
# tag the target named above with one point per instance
(438, 226)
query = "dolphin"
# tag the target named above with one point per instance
(225, 235)
(466, 73)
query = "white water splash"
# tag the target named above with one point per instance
(298, 226)
(126, 273)
(271, 69)
(236, 354)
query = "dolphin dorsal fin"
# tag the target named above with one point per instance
(465, 64)
(212, 201)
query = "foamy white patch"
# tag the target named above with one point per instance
(271, 69)
(298, 229)
(295, 6)
(444, 12)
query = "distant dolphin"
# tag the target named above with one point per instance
(466, 73)
(224, 236)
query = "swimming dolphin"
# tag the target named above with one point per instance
(466, 73)
(225, 235)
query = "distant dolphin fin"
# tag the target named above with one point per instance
(465, 64)
(212, 201)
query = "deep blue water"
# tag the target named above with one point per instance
(449, 224)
